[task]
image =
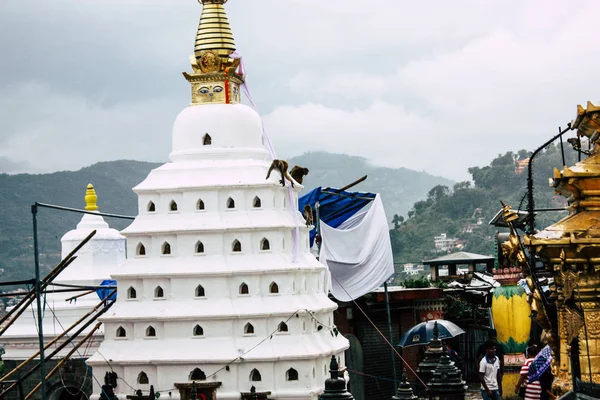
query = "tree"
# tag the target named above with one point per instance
(438, 192)
(397, 221)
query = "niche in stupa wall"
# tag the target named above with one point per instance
(164, 245)
(242, 286)
(148, 330)
(151, 286)
(124, 287)
(230, 240)
(112, 331)
(132, 373)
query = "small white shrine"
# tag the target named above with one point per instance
(96, 261)
(215, 289)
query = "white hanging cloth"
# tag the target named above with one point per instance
(358, 253)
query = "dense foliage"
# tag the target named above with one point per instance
(456, 210)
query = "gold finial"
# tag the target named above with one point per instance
(587, 124)
(215, 78)
(91, 198)
(214, 33)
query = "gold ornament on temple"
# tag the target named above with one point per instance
(215, 78)
(570, 249)
(91, 198)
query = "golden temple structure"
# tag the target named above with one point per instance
(570, 248)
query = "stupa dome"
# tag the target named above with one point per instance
(101, 254)
(199, 130)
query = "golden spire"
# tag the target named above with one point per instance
(215, 78)
(91, 198)
(214, 33)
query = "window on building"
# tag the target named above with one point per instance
(199, 248)
(198, 331)
(248, 329)
(236, 246)
(121, 332)
(131, 293)
(264, 244)
(255, 376)
(142, 378)
(197, 375)
(166, 248)
(151, 207)
(150, 331)
(282, 327)
(173, 205)
(291, 375)
(159, 292)
(200, 205)
(273, 288)
(244, 289)
(206, 140)
(256, 203)
(230, 203)
(140, 250)
(200, 291)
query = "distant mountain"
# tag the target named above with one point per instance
(400, 188)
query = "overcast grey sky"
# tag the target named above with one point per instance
(429, 85)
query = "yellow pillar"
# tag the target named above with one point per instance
(511, 315)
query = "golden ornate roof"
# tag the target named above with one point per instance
(215, 78)
(580, 183)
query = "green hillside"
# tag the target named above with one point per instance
(455, 210)
(114, 180)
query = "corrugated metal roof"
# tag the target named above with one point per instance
(457, 258)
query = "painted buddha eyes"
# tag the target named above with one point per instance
(206, 90)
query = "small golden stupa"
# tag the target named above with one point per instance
(216, 78)
(571, 249)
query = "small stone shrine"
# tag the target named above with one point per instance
(447, 382)
(335, 386)
(432, 358)
(404, 391)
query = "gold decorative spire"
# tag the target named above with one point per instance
(91, 198)
(214, 33)
(215, 78)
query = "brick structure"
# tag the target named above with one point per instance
(374, 376)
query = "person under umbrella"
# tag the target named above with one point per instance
(539, 370)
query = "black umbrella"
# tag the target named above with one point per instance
(423, 333)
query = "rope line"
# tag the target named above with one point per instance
(88, 368)
(382, 335)
(379, 378)
(268, 337)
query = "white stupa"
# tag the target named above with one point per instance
(95, 262)
(212, 290)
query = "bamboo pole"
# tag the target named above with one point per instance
(63, 360)
(61, 346)
(53, 274)
(79, 295)
(56, 339)
(30, 298)
(64, 263)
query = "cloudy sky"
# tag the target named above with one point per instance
(429, 85)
